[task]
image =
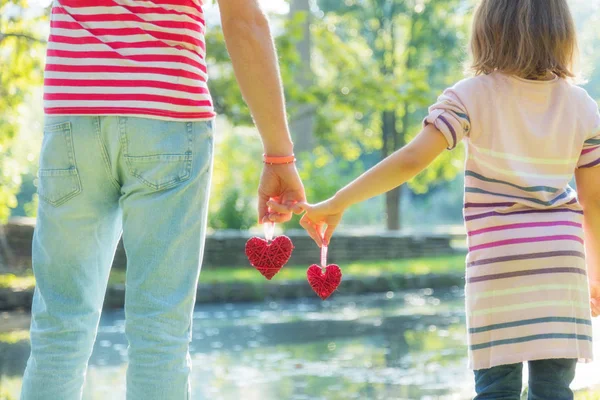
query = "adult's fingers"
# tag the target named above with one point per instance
(278, 212)
(278, 207)
(280, 218)
(311, 229)
(263, 209)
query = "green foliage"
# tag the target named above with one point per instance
(21, 60)
(441, 205)
(13, 337)
(225, 92)
(227, 97)
(321, 172)
(587, 13)
(368, 57)
(378, 55)
(5, 395)
(15, 282)
(10, 180)
(588, 394)
(234, 212)
(234, 183)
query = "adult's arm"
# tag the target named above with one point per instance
(254, 58)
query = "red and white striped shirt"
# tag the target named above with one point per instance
(127, 57)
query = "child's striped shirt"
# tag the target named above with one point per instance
(526, 292)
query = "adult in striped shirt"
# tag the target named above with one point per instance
(127, 151)
(528, 131)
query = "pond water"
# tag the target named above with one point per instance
(404, 345)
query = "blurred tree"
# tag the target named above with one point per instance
(587, 15)
(377, 65)
(225, 92)
(303, 124)
(233, 188)
(389, 59)
(21, 64)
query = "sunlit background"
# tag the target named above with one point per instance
(347, 66)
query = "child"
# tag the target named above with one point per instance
(527, 131)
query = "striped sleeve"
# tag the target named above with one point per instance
(450, 117)
(590, 154)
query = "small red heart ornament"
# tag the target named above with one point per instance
(324, 283)
(269, 258)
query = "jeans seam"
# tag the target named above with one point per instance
(190, 131)
(122, 137)
(105, 157)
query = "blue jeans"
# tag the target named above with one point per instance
(101, 177)
(548, 380)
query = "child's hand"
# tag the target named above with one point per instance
(317, 215)
(595, 298)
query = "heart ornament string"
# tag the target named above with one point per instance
(269, 229)
(324, 279)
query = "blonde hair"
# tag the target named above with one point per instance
(526, 38)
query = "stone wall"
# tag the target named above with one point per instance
(226, 248)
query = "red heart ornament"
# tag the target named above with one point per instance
(269, 258)
(324, 283)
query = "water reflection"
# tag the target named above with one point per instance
(408, 345)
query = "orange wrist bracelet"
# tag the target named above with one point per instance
(278, 160)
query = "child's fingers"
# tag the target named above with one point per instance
(299, 208)
(329, 232)
(278, 207)
(312, 230)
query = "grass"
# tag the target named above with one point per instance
(588, 394)
(17, 282)
(9, 386)
(13, 337)
(412, 266)
(583, 394)
(416, 266)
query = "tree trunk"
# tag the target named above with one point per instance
(392, 138)
(390, 144)
(303, 124)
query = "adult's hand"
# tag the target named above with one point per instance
(282, 184)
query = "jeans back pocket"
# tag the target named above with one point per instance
(58, 177)
(158, 153)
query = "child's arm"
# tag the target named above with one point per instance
(588, 189)
(390, 173)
